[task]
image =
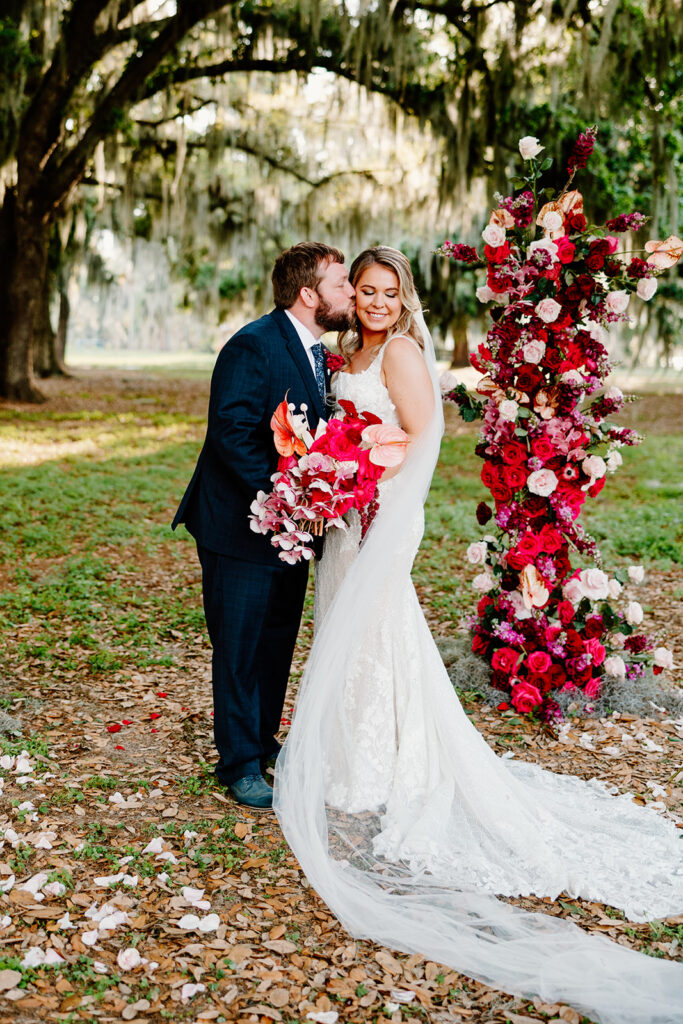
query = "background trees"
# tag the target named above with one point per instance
(131, 113)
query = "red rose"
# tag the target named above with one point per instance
(565, 249)
(483, 513)
(526, 697)
(489, 474)
(535, 506)
(479, 644)
(597, 487)
(576, 222)
(528, 379)
(565, 610)
(551, 539)
(552, 358)
(483, 604)
(538, 662)
(595, 262)
(574, 642)
(529, 545)
(498, 253)
(594, 627)
(505, 660)
(542, 448)
(514, 454)
(557, 676)
(500, 491)
(517, 560)
(514, 476)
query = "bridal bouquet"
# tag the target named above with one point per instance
(556, 284)
(321, 478)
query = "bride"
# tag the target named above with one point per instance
(400, 814)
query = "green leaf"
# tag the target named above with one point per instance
(547, 163)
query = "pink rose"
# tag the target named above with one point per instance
(646, 288)
(505, 660)
(617, 302)
(542, 482)
(549, 310)
(526, 697)
(533, 351)
(494, 235)
(615, 666)
(663, 658)
(573, 591)
(592, 687)
(596, 650)
(538, 662)
(613, 243)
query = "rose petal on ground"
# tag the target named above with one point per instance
(128, 959)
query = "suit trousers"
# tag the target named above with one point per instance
(253, 613)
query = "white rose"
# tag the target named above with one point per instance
(486, 294)
(572, 591)
(529, 147)
(448, 381)
(614, 589)
(615, 666)
(516, 599)
(552, 221)
(542, 482)
(128, 959)
(596, 331)
(533, 351)
(594, 467)
(548, 310)
(614, 460)
(663, 657)
(617, 302)
(614, 393)
(543, 243)
(508, 410)
(493, 235)
(634, 613)
(476, 553)
(646, 288)
(594, 584)
(636, 573)
(483, 582)
(571, 377)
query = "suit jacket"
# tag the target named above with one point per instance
(254, 370)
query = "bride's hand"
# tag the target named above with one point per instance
(410, 389)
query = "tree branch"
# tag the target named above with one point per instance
(61, 175)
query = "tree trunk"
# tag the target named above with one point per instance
(461, 355)
(62, 327)
(25, 265)
(43, 335)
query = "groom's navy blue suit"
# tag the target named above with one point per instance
(252, 600)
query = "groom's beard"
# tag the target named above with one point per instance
(334, 319)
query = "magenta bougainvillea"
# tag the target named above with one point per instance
(555, 284)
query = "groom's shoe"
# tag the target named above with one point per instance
(252, 790)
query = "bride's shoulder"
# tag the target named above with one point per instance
(401, 348)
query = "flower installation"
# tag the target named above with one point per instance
(320, 479)
(555, 285)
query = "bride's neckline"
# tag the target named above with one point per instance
(359, 373)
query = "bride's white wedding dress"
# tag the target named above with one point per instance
(409, 825)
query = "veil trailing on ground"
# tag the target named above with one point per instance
(396, 900)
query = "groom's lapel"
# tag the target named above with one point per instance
(298, 354)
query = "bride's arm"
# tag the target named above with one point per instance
(410, 388)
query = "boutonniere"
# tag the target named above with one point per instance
(333, 361)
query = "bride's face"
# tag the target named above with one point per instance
(378, 303)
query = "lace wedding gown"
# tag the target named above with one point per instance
(409, 825)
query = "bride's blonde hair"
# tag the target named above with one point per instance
(349, 341)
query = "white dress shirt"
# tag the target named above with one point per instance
(307, 338)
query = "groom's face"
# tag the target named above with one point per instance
(336, 298)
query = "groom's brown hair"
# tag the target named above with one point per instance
(299, 267)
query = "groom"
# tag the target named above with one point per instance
(252, 600)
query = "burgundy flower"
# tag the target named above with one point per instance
(626, 222)
(583, 147)
(460, 253)
(483, 513)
